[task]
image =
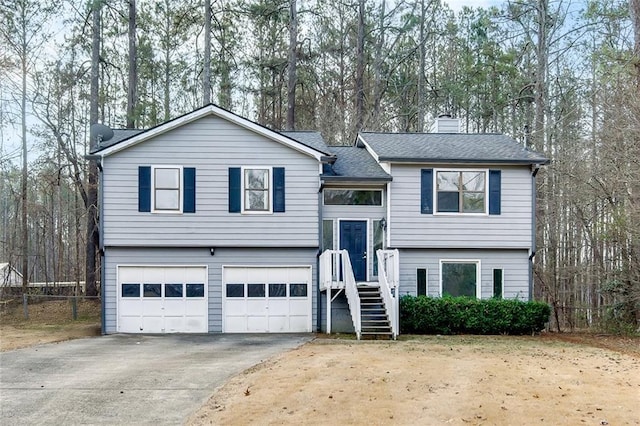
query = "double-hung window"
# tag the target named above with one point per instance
(461, 191)
(167, 188)
(256, 187)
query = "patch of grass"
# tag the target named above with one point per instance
(50, 312)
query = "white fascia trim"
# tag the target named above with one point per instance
(369, 149)
(226, 115)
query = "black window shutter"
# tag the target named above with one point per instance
(144, 189)
(494, 191)
(422, 282)
(426, 191)
(278, 189)
(235, 190)
(189, 197)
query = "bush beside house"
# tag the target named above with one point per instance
(453, 315)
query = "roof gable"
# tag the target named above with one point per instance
(489, 148)
(124, 139)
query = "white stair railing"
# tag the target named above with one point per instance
(389, 278)
(351, 290)
(329, 270)
(336, 273)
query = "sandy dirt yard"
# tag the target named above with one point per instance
(460, 380)
(23, 336)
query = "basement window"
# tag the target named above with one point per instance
(460, 278)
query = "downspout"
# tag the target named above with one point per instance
(388, 228)
(103, 274)
(319, 294)
(532, 251)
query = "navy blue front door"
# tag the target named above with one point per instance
(353, 238)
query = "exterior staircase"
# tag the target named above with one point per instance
(375, 323)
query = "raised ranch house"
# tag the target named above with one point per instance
(213, 223)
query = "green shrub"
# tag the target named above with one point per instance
(452, 315)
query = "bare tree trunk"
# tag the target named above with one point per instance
(167, 65)
(132, 93)
(379, 61)
(634, 12)
(93, 242)
(25, 175)
(206, 70)
(421, 65)
(360, 68)
(292, 76)
(541, 75)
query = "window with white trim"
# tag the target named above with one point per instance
(460, 278)
(167, 189)
(461, 191)
(327, 234)
(378, 243)
(498, 278)
(256, 185)
(352, 197)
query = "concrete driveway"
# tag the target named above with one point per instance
(126, 379)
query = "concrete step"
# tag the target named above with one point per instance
(376, 336)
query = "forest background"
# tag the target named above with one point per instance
(560, 76)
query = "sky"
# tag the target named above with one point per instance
(456, 5)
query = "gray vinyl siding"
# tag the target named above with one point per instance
(411, 229)
(211, 145)
(514, 263)
(341, 321)
(202, 257)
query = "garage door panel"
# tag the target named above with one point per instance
(195, 323)
(298, 307)
(154, 275)
(151, 308)
(257, 323)
(254, 306)
(278, 305)
(174, 324)
(152, 324)
(130, 324)
(237, 324)
(298, 324)
(278, 324)
(236, 307)
(129, 307)
(174, 308)
(260, 299)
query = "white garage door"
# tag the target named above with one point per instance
(267, 299)
(168, 299)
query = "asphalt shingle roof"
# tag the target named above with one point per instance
(354, 164)
(450, 148)
(119, 135)
(311, 139)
